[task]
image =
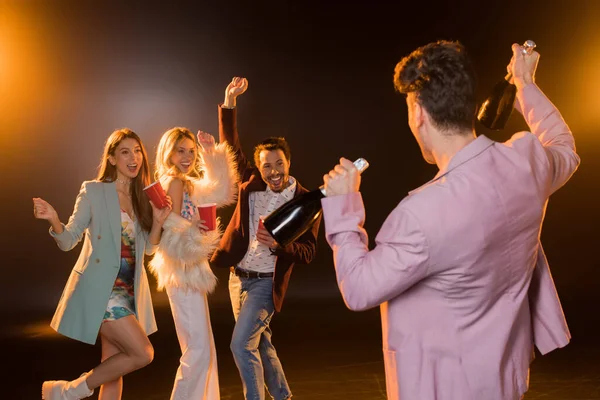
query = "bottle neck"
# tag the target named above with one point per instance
(361, 164)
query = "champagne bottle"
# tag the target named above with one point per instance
(496, 109)
(291, 220)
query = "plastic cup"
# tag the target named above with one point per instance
(208, 213)
(156, 194)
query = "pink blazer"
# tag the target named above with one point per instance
(458, 270)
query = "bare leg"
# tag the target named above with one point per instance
(114, 389)
(135, 351)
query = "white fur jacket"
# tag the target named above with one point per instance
(181, 259)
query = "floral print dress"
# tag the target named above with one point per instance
(188, 209)
(121, 302)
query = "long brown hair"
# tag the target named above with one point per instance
(108, 173)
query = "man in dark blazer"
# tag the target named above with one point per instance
(260, 267)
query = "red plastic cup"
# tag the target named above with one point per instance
(208, 213)
(156, 194)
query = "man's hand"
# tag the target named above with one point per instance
(522, 66)
(342, 179)
(263, 236)
(236, 87)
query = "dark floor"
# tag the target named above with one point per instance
(328, 352)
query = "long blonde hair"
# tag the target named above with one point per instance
(108, 173)
(163, 165)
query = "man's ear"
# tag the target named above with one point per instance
(419, 114)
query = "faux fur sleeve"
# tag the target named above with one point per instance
(182, 256)
(219, 184)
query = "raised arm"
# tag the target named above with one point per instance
(228, 123)
(219, 184)
(543, 119)
(66, 236)
(369, 278)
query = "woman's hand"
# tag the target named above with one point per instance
(159, 215)
(43, 210)
(206, 141)
(203, 228)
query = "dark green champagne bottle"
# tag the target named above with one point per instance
(496, 109)
(291, 220)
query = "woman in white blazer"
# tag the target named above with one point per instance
(107, 291)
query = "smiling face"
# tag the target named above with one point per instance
(274, 169)
(127, 159)
(184, 155)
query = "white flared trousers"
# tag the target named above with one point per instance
(197, 375)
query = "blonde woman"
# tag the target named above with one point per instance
(107, 292)
(192, 172)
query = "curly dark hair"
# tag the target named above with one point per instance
(272, 143)
(444, 81)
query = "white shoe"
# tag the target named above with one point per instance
(63, 390)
